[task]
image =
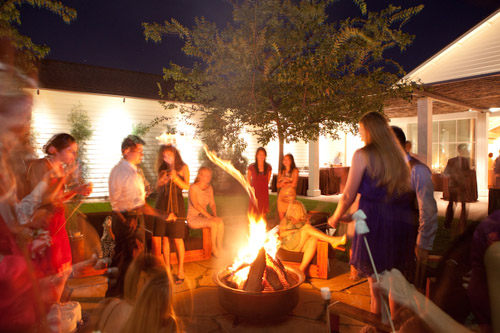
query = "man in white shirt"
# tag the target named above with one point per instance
(127, 195)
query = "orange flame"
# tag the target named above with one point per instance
(258, 236)
(231, 170)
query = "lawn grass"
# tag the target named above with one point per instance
(229, 205)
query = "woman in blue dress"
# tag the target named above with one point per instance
(381, 175)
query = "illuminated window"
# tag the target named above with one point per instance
(447, 135)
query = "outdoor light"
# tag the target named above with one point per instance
(494, 109)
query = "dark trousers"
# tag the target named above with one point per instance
(456, 196)
(125, 243)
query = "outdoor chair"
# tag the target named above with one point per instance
(320, 265)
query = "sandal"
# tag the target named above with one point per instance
(177, 280)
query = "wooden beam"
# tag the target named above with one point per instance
(448, 100)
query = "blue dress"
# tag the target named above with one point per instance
(392, 221)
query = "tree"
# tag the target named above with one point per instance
(28, 53)
(81, 130)
(284, 69)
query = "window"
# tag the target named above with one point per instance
(447, 135)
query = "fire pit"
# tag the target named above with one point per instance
(256, 285)
(267, 304)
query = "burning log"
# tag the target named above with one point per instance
(257, 268)
(280, 271)
(271, 277)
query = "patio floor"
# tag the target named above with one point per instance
(196, 301)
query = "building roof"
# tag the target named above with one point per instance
(476, 53)
(481, 92)
(68, 76)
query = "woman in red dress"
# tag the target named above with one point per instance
(259, 174)
(55, 169)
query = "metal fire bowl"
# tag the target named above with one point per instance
(259, 305)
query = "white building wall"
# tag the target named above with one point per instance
(112, 118)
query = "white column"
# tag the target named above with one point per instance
(482, 126)
(424, 114)
(313, 190)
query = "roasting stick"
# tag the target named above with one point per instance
(362, 229)
(72, 213)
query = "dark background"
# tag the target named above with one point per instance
(108, 32)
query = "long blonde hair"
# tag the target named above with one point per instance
(297, 210)
(153, 311)
(144, 266)
(385, 157)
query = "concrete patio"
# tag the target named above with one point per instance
(196, 301)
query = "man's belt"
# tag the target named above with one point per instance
(134, 212)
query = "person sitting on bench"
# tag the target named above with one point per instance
(298, 235)
(201, 196)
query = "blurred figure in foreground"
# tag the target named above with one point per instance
(153, 311)
(113, 313)
(457, 169)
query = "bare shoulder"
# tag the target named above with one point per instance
(360, 156)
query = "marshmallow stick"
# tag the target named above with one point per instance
(326, 294)
(362, 229)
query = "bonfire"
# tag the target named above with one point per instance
(256, 267)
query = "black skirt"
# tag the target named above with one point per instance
(164, 203)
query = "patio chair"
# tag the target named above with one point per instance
(320, 265)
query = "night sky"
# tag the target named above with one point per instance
(108, 32)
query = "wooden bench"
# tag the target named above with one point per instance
(197, 250)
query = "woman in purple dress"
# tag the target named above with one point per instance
(381, 175)
(258, 175)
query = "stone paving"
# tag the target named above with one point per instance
(196, 301)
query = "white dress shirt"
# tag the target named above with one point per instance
(126, 187)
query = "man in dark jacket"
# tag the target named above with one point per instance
(457, 170)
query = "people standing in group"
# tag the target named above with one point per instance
(298, 235)
(457, 170)
(173, 178)
(127, 195)
(379, 173)
(201, 197)
(287, 184)
(259, 175)
(421, 182)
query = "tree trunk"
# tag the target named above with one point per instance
(281, 140)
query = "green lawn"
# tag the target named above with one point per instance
(237, 205)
